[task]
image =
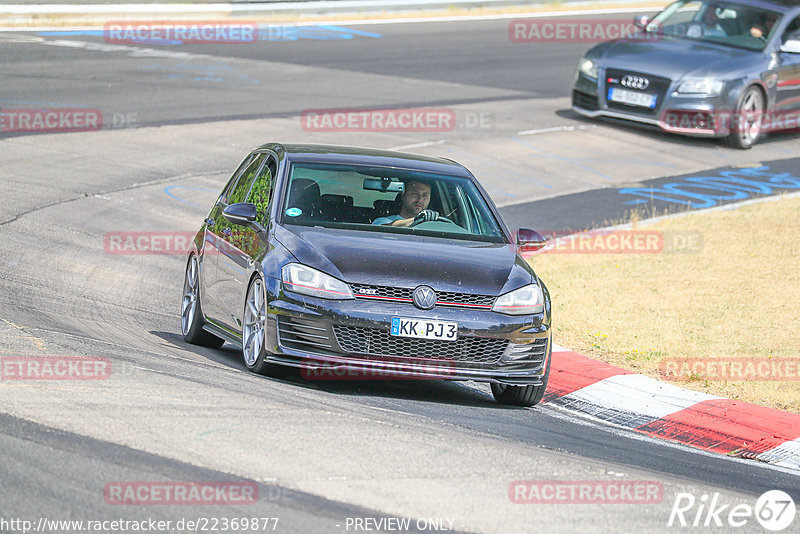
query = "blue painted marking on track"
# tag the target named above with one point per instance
(92, 33)
(266, 32)
(169, 188)
(40, 105)
(699, 192)
(216, 72)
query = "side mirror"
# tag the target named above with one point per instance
(243, 213)
(530, 240)
(792, 46)
(641, 21)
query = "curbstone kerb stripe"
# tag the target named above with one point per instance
(658, 409)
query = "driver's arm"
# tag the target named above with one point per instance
(402, 222)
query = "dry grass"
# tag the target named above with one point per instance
(737, 297)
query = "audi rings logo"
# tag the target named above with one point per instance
(424, 298)
(635, 82)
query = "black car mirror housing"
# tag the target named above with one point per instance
(530, 240)
(242, 213)
(641, 21)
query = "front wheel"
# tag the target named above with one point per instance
(747, 119)
(254, 331)
(192, 313)
(522, 395)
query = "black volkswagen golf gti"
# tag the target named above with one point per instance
(375, 263)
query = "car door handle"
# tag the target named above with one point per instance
(227, 232)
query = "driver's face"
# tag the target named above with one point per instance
(416, 198)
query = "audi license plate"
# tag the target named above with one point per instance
(632, 98)
(424, 329)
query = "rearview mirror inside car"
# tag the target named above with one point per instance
(383, 184)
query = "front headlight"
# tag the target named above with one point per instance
(705, 86)
(588, 68)
(308, 281)
(523, 301)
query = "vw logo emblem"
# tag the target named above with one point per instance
(424, 297)
(635, 82)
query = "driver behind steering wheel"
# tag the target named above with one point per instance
(414, 207)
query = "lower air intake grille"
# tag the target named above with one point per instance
(374, 342)
(584, 101)
(529, 352)
(303, 334)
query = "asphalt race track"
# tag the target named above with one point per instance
(322, 456)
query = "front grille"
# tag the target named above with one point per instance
(530, 352)
(303, 334)
(584, 100)
(378, 343)
(444, 298)
(658, 86)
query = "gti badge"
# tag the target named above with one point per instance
(635, 82)
(424, 297)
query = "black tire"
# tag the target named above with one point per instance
(191, 312)
(747, 120)
(523, 395)
(254, 325)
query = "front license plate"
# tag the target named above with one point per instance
(424, 329)
(632, 98)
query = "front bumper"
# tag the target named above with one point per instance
(698, 116)
(350, 339)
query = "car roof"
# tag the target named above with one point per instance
(367, 156)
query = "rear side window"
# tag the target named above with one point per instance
(234, 177)
(239, 191)
(261, 192)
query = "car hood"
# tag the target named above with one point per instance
(677, 58)
(391, 259)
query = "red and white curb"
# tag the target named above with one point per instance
(663, 410)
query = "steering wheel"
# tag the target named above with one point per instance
(441, 218)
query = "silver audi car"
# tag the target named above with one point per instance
(702, 68)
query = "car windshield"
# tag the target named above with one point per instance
(723, 23)
(372, 198)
